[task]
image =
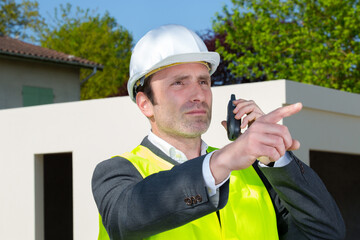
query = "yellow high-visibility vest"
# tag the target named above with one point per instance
(249, 213)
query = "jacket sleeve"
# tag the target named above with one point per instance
(133, 207)
(307, 207)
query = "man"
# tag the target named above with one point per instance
(173, 186)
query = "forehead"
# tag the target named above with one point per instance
(198, 69)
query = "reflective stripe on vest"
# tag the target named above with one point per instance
(249, 213)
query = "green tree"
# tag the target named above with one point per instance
(17, 18)
(308, 41)
(96, 38)
(223, 76)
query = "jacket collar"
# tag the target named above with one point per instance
(146, 143)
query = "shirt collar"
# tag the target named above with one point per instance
(170, 150)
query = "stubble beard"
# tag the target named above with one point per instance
(192, 128)
(188, 126)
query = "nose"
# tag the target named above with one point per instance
(197, 93)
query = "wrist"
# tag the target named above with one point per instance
(219, 169)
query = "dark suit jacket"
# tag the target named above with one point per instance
(133, 207)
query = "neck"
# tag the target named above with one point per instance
(191, 147)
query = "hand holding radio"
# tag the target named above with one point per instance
(236, 110)
(233, 124)
(265, 137)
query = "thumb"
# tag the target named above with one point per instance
(224, 123)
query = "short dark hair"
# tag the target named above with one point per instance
(146, 89)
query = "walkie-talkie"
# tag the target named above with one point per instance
(233, 125)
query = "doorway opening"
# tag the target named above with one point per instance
(54, 196)
(340, 176)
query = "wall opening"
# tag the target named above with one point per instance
(54, 196)
(340, 175)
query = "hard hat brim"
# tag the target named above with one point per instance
(213, 58)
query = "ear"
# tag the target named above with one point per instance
(144, 104)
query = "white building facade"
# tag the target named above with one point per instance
(84, 133)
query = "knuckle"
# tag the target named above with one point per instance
(284, 129)
(281, 151)
(279, 141)
(274, 154)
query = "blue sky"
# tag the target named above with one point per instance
(140, 16)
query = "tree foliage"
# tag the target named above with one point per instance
(308, 41)
(96, 38)
(223, 75)
(17, 18)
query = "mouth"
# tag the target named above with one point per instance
(197, 112)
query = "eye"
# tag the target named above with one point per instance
(204, 82)
(177, 83)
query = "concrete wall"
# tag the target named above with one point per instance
(14, 74)
(98, 129)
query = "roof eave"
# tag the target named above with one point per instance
(38, 58)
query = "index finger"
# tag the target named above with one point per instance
(282, 112)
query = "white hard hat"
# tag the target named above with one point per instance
(164, 46)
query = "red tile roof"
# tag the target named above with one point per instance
(16, 48)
